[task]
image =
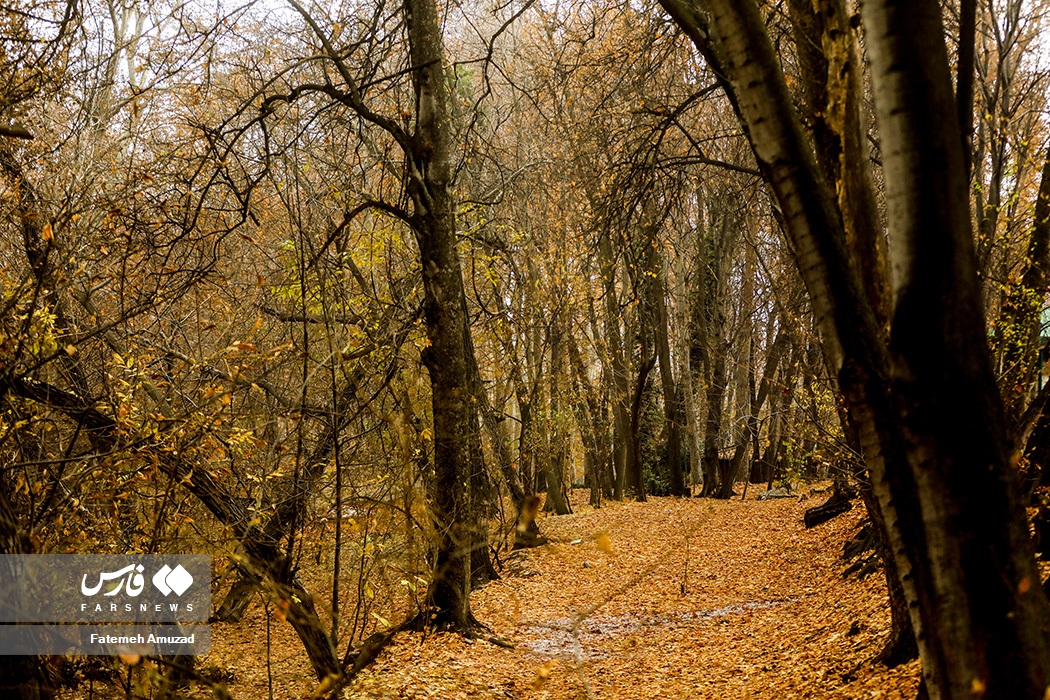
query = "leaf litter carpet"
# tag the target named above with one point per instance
(673, 598)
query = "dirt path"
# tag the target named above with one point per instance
(665, 599)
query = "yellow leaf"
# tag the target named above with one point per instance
(327, 685)
(604, 543)
(48, 234)
(543, 673)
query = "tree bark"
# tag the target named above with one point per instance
(830, 64)
(634, 464)
(713, 425)
(448, 358)
(673, 408)
(616, 367)
(773, 357)
(557, 457)
(980, 614)
(593, 434)
(927, 408)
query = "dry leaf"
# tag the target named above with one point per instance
(326, 686)
(543, 673)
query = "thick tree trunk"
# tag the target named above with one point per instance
(981, 614)
(900, 646)
(448, 358)
(927, 408)
(964, 78)
(830, 63)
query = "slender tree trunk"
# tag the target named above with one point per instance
(673, 409)
(556, 462)
(634, 465)
(616, 369)
(773, 357)
(713, 425)
(588, 419)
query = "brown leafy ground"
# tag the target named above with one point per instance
(669, 599)
(686, 599)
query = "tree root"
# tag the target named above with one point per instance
(426, 621)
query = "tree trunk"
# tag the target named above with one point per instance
(713, 425)
(616, 367)
(448, 358)
(773, 356)
(634, 464)
(830, 64)
(673, 409)
(592, 433)
(927, 407)
(982, 615)
(557, 457)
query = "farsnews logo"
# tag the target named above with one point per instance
(169, 580)
(130, 580)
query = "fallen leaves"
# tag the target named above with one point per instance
(543, 673)
(685, 598)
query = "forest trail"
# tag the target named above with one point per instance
(673, 599)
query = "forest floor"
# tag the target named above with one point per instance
(673, 598)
